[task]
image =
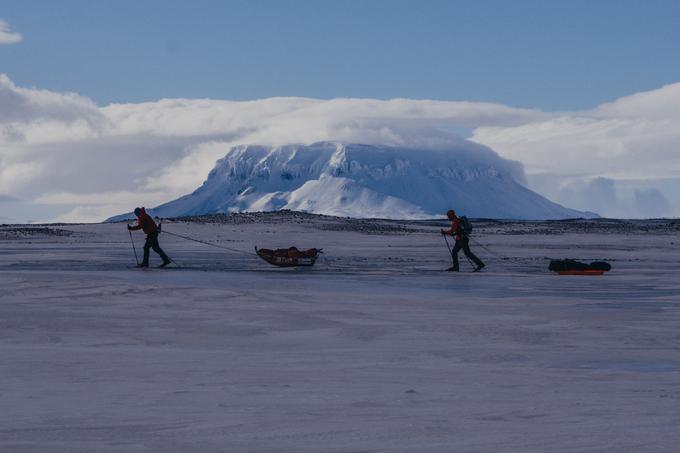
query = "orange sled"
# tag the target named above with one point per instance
(586, 272)
(290, 257)
(573, 267)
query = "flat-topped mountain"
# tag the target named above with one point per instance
(367, 181)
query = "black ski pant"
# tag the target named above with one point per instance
(464, 243)
(152, 243)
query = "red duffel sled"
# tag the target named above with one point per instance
(573, 267)
(290, 257)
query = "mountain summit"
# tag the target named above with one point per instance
(367, 181)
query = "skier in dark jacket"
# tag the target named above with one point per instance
(147, 224)
(462, 242)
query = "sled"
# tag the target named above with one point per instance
(290, 257)
(573, 267)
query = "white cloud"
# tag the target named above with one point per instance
(93, 207)
(167, 148)
(660, 104)
(41, 116)
(63, 143)
(14, 174)
(633, 137)
(651, 203)
(611, 198)
(280, 120)
(7, 36)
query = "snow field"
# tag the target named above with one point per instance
(374, 349)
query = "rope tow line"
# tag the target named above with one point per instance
(511, 260)
(207, 243)
(212, 244)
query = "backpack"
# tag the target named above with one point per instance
(465, 225)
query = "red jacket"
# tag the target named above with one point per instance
(146, 223)
(455, 226)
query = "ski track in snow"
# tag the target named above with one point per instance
(374, 349)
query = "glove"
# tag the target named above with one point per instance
(129, 228)
(443, 233)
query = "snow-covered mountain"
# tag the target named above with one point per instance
(367, 181)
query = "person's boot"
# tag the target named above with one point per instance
(453, 269)
(165, 263)
(479, 268)
(143, 265)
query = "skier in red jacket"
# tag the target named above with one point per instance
(147, 224)
(462, 242)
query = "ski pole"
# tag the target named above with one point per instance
(134, 248)
(448, 247)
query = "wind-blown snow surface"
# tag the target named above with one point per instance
(367, 181)
(374, 349)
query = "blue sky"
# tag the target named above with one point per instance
(543, 54)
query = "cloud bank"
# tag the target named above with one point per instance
(631, 142)
(7, 36)
(633, 137)
(61, 149)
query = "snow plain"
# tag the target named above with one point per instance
(375, 349)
